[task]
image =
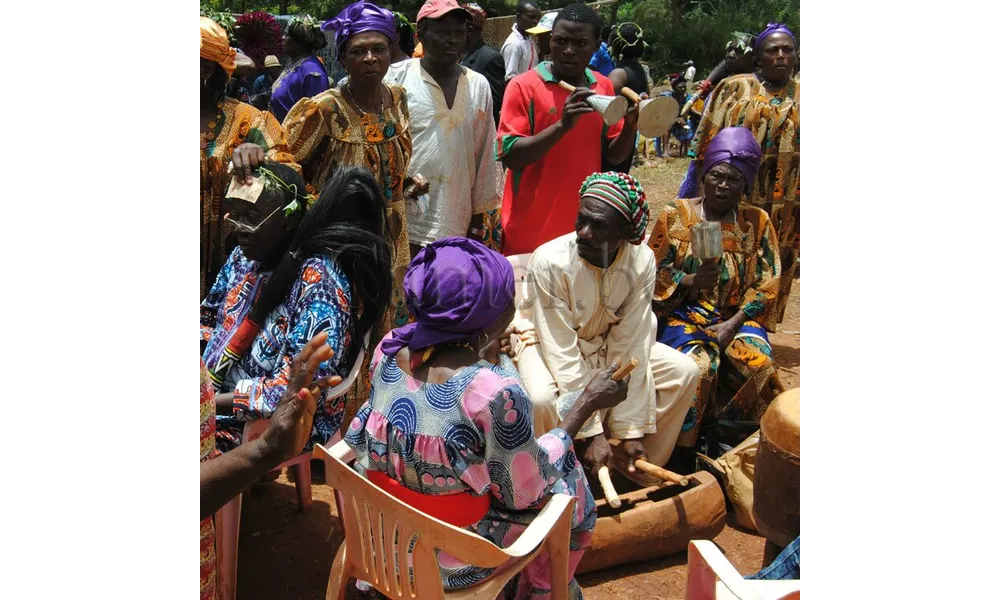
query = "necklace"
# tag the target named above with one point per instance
(381, 99)
(208, 136)
(701, 211)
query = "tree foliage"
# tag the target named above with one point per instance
(676, 30)
(698, 30)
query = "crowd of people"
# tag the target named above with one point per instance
(377, 216)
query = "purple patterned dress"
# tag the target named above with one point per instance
(474, 433)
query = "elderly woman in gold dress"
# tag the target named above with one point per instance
(718, 311)
(362, 123)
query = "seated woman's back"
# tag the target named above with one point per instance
(470, 433)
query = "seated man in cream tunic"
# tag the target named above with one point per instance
(588, 301)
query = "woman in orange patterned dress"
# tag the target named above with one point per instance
(718, 312)
(230, 130)
(767, 104)
(362, 123)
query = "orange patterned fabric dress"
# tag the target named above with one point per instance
(773, 117)
(737, 382)
(327, 131)
(208, 451)
(239, 123)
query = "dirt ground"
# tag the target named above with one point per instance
(285, 554)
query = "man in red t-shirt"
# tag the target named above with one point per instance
(550, 140)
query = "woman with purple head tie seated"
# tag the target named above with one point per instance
(449, 419)
(718, 311)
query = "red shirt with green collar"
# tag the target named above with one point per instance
(540, 201)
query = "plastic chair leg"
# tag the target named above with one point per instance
(303, 484)
(227, 542)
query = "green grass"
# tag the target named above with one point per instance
(660, 179)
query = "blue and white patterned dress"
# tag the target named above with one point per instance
(319, 300)
(474, 433)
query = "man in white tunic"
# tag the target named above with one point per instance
(518, 50)
(589, 301)
(451, 123)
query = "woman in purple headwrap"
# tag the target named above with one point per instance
(448, 428)
(767, 104)
(362, 123)
(718, 311)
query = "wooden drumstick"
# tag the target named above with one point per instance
(609, 490)
(660, 472)
(630, 94)
(625, 369)
(568, 87)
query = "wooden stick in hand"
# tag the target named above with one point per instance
(568, 87)
(630, 94)
(609, 490)
(660, 472)
(625, 369)
(603, 474)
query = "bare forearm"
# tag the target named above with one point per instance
(223, 478)
(577, 416)
(621, 146)
(528, 150)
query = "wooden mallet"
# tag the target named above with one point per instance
(603, 474)
(660, 472)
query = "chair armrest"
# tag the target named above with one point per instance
(540, 526)
(724, 571)
(340, 451)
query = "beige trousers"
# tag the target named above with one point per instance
(675, 381)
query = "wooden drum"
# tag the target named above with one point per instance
(776, 475)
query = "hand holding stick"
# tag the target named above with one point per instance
(603, 474)
(609, 490)
(661, 472)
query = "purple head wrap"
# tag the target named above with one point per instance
(455, 289)
(359, 18)
(736, 146)
(771, 29)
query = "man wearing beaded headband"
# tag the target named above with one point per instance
(589, 301)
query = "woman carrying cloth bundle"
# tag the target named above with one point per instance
(304, 76)
(718, 311)
(449, 428)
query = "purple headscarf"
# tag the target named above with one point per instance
(359, 18)
(455, 289)
(771, 29)
(736, 146)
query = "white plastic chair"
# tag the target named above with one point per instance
(373, 520)
(227, 519)
(520, 264)
(710, 576)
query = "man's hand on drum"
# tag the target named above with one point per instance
(597, 454)
(634, 450)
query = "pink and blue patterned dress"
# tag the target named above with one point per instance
(474, 433)
(319, 300)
